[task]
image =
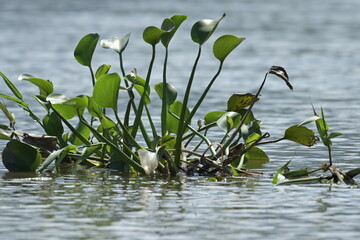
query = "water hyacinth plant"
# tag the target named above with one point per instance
(132, 142)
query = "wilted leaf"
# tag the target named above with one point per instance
(301, 135)
(281, 73)
(239, 101)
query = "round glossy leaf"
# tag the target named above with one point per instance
(46, 87)
(18, 156)
(171, 92)
(239, 101)
(53, 125)
(301, 135)
(224, 45)
(116, 43)
(211, 117)
(171, 24)
(152, 35)
(106, 90)
(79, 102)
(223, 121)
(85, 49)
(203, 29)
(66, 111)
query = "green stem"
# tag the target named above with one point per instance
(92, 75)
(181, 129)
(201, 99)
(142, 99)
(164, 105)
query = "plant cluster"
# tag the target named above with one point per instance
(132, 142)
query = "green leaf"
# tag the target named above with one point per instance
(255, 158)
(5, 135)
(171, 92)
(279, 177)
(173, 24)
(12, 87)
(85, 49)
(203, 29)
(87, 152)
(79, 102)
(46, 87)
(223, 121)
(53, 125)
(140, 90)
(334, 135)
(106, 90)
(301, 135)
(116, 43)
(18, 156)
(152, 35)
(353, 173)
(172, 122)
(296, 174)
(224, 45)
(57, 155)
(94, 109)
(18, 101)
(211, 117)
(9, 116)
(239, 101)
(103, 69)
(83, 130)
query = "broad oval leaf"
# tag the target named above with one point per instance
(172, 123)
(66, 111)
(106, 90)
(152, 35)
(171, 92)
(213, 116)
(301, 135)
(11, 86)
(116, 43)
(173, 25)
(103, 69)
(255, 158)
(148, 160)
(94, 109)
(53, 125)
(46, 87)
(203, 29)
(79, 102)
(85, 49)
(18, 156)
(239, 101)
(224, 45)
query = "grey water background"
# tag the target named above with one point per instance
(316, 41)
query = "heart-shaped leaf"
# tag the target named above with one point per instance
(85, 49)
(116, 43)
(203, 29)
(224, 45)
(239, 101)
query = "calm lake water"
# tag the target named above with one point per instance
(316, 41)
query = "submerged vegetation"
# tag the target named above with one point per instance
(132, 142)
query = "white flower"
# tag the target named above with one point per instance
(148, 160)
(116, 43)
